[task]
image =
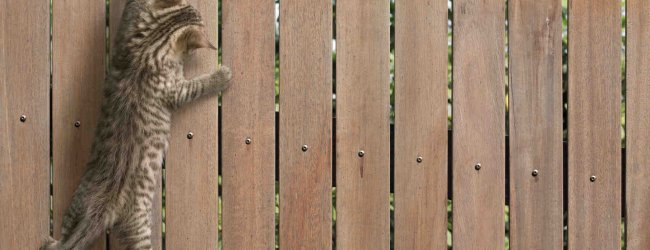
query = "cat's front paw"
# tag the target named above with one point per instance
(225, 73)
(222, 78)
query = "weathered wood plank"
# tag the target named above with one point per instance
(536, 208)
(24, 146)
(420, 124)
(363, 132)
(638, 125)
(594, 120)
(479, 124)
(191, 165)
(306, 119)
(248, 112)
(116, 9)
(79, 48)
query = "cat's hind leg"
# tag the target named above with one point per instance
(134, 230)
(50, 244)
(85, 231)
(69, 222)
(83, 235)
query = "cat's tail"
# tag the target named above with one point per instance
(50, 244)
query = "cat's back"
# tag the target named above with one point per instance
(133, 106)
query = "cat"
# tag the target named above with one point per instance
(144, 85)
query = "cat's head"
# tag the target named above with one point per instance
(159, 30)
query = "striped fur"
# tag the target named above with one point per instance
(144, 85)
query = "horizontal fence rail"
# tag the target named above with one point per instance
(395, 124)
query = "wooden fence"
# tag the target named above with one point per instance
(46, 130)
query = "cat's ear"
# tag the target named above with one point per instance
(194, 38)
(162, 4)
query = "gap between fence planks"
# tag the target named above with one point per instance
(24, 146)
(78, 54)
(248, 113)
(191, 206)
(479, 124)
(363, 126)
(536, 203)
(421, 124)
(638, 125)
(594, 131)
(306, 119)
(116, 10)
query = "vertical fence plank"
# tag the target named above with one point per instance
(420, 124)
(363, 124)
(79, 48)
(638, 125)
(24, 146)
(306, 119)
(249, 113)
(116, 9)
(536, 207)
(191, 165)
(594, 124)
(478, 124)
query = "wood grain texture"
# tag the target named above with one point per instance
(79, 48)
(638, 125)
(306, 119)
(191, 165)
(116, 9)
(594, 120)
(478, 124)
(363, 88)
(248, 111)
(24, 147)
(536, 203)
(420, 124)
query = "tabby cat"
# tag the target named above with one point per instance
(144, 85)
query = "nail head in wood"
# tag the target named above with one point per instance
(77, 124)
(535, 173)
(477, 166)
(23, 118)
(419, 159)
(592, 178)
(305, 148)
(248, 141)
(190, 135)
(361, 153)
